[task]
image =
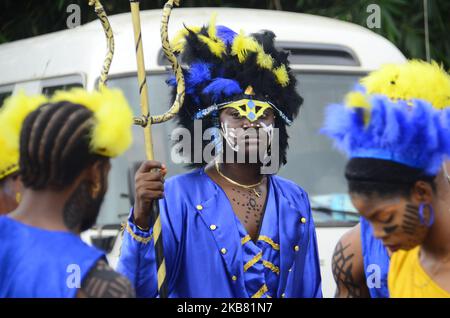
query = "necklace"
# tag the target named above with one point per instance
(250, 186)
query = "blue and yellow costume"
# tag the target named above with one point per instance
(208, 252)
(36, 262)
(400, 113)
(374, 253)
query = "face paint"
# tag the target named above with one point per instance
(268, 129)
(249, 108)
(229, 134)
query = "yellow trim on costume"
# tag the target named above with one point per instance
(250, 108)
(271, 266)
(261, 292)
(245, 239)
(269, 241)
(111, 134)
(253, 261)
(136, 237)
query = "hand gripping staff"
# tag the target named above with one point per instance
(146, 120)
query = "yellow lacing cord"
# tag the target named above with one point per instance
(136, 237)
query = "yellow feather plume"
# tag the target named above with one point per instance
(216, 47)
(212, 30)
(282, 75)
(111, 135)
(359, 100)
(243, 44)
(412, 80)
(178, 41)
(264, 60)
(12, 115)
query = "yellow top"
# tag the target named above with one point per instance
(407, 278)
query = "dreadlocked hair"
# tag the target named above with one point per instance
(54, 145)
(384, 178)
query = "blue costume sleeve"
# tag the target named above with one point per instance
(312, 280)
(311, 277)
(137, 259)
(307, 281)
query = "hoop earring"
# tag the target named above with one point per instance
(95, 190)
(421, 216)
(18, 197)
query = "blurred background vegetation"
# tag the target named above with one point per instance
(402, 21)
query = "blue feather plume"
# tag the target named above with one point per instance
(222, 87)
(226, 34)
(417, 134)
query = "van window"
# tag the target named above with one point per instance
(5, 92)
(313, 163)
(51, 85)
(50, 90)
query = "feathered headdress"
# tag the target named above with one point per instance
(223, 68)
(12, 114)
(399, 113)
(111, 133)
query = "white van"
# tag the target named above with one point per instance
(328, 56)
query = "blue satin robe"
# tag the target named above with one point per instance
(374, 254)
(208, 252)
(38, 263)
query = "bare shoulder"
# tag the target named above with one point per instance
(348, 265)
(103, 282)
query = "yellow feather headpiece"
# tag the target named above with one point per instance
(241, 47)
(111, 134)
(12, 115)
(409, 81)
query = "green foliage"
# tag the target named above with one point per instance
(402, 21)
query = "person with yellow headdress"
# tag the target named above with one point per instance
(66, 144)
(11, 118)
(395, 128)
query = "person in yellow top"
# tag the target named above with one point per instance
(395, 127)
(11, 119)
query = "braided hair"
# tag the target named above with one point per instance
(54, 145)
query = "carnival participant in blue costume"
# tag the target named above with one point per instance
(229, 228)
(65, 148)
(10, 185)
(395, 128)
